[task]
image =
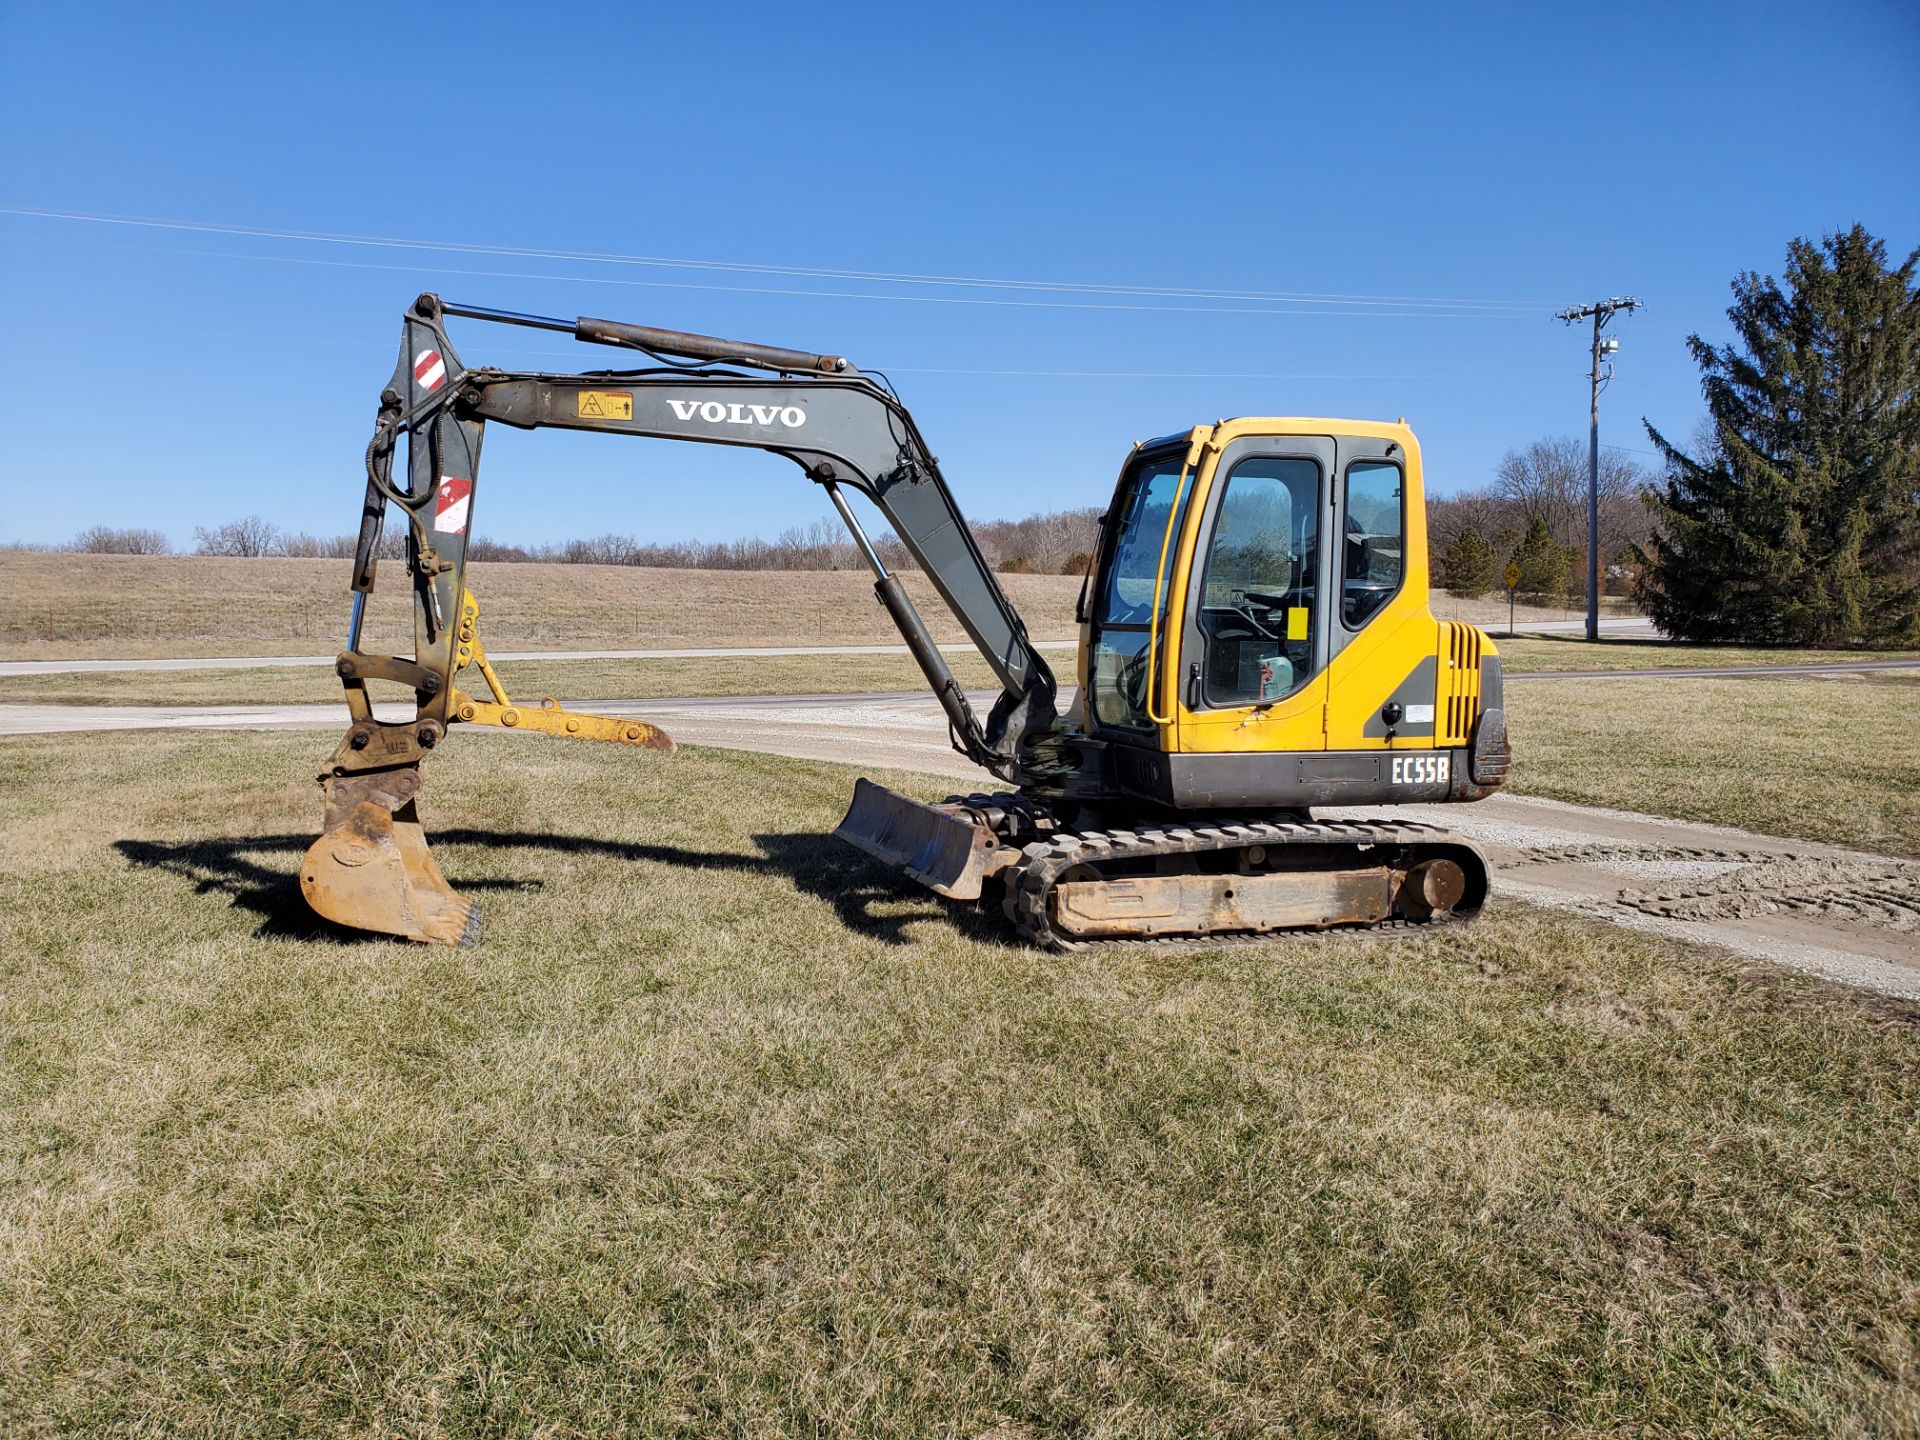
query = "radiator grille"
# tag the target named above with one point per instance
(1460, 682)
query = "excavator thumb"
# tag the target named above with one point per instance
(371, 868)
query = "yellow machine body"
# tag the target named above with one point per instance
(1387, 682)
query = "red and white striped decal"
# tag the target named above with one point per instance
(450, 505)
(429, 370)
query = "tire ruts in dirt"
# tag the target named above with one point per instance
(1869, 890)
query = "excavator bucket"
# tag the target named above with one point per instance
(371, 869)
(944, 851)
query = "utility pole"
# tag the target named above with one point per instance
(1602, 311)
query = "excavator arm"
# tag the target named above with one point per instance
(371, 868)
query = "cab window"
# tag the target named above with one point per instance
(1123, 605)
(1374, 550)
(1257, 613)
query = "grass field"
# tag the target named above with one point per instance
(137, 607)
(1531, 654)
(1828, 758)
(724, 1131)
(132, 606)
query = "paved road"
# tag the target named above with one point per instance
(33, 719)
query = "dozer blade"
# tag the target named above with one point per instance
(371, 868)
(943, 851)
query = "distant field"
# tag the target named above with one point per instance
(573, 680)
(131, 607)
(726, 1130)
(140, 607)
(1490, 611)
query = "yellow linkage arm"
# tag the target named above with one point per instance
(549, 718)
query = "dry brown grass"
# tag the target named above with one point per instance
(135, 606)
(1491, 611)
(726, 1132)
(1824, 757)
(630, 679)
(1532, 654)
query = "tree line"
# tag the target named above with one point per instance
(1055, 543)
(1534, 515)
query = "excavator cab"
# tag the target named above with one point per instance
(1262, 591)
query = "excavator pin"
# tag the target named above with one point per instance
(371, 868)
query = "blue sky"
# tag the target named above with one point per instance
(1520, 158)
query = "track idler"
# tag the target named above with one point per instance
(371, 868)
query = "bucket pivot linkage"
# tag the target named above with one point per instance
(371, 868)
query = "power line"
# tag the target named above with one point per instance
(385, 345)
(1463, 308)
(807, 294)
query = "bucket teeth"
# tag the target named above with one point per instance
(371, 869)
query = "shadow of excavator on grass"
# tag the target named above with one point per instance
(260, 873)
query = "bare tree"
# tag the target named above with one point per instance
(303, 546)
(1548, 480)
(1482, 511)
(1057, 543)
(1043, 543)
(100, 540)
(249, 537)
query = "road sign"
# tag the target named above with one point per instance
(1512, 577)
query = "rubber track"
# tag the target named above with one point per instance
(1042, 861)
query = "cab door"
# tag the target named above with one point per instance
(1253, 630)
(1383, 669)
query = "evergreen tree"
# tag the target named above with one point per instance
(1469, 565)
(1546, 566)
(1798, 522)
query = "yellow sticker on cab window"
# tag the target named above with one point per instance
(605, 405)
(1297, 622)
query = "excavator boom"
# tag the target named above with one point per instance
(370, 867)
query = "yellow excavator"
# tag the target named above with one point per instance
(1255, 643)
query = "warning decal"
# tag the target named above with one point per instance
(450, 505)
(429, 370)
(604, 405)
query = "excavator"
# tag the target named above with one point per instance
(1256, 643)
